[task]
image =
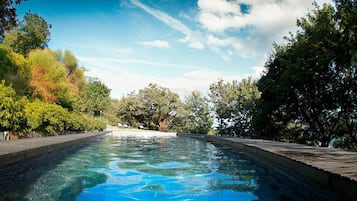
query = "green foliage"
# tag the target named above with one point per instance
(14, 70)
(32, 33)
(7, 16)
(11, 109)
(311, 81)
(111, 113)
(160, 106)
(154, 107)
(95, 98)
(54, 119)
(74, 73)
(234, 105)
(53, 79)
(197, 119)
(131, 110)
(46, 117)
(48, 78)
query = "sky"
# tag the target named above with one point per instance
(183, 45)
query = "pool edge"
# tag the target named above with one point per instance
(338, 186)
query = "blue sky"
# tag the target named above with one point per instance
(184, 45)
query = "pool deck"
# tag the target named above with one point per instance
(17, 151)
(333, 170)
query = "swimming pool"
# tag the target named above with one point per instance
(161, 168)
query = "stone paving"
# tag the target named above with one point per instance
(14, 151)
(336, 161)
(334, 170)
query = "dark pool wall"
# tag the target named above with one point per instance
(328, 185)
(18, 170)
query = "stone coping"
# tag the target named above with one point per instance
(332, 170)
(15, 151)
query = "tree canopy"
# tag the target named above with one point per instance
(234, 105)
(7, 16)
(95, 98)
(310, 82)
(39, 89)
(33, 32)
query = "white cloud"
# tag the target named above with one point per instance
(156, 43)
(221, 15)
(122, 80)
(117, 63)
(190, 36)
(122, 83)
(267, 21)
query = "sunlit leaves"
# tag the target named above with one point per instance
(11, 109)
(33, 32)
(95, 98)
(14, 69)
(7, 15)
(198, 118)
(160, 106)
(234, 104)
(48, 76)
(54, 119)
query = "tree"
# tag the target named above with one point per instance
(11, 109)
(75, 74)
(33, 32)
(223, 98)
(160, 106)
(247, 100)
(234, 105)
(198, 118)
(95, 98)
(310, 81)
(131, 110)
(48, 77)
(14, 70)
(7, 16)
(111, 113)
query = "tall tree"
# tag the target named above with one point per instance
(223, 96)
(48, 77)
(33, 32)
(247, 100)
(234, 105)
(7, 16)
(95, 98)
(160, 106)
(198, 118)
(310, 81)
(75, 73)
(14, 70)
(131, 110)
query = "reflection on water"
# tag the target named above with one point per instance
(153, 168)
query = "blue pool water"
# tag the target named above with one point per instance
(160, 168)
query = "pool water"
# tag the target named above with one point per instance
(161, 168)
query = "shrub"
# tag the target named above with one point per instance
(11, 109)
(46, 117)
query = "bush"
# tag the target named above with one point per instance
(11, 109)
(46, 117)
(53, 119)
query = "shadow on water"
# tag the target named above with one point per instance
(16, 179)
(271, 183)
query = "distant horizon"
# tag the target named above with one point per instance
(180, 45)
